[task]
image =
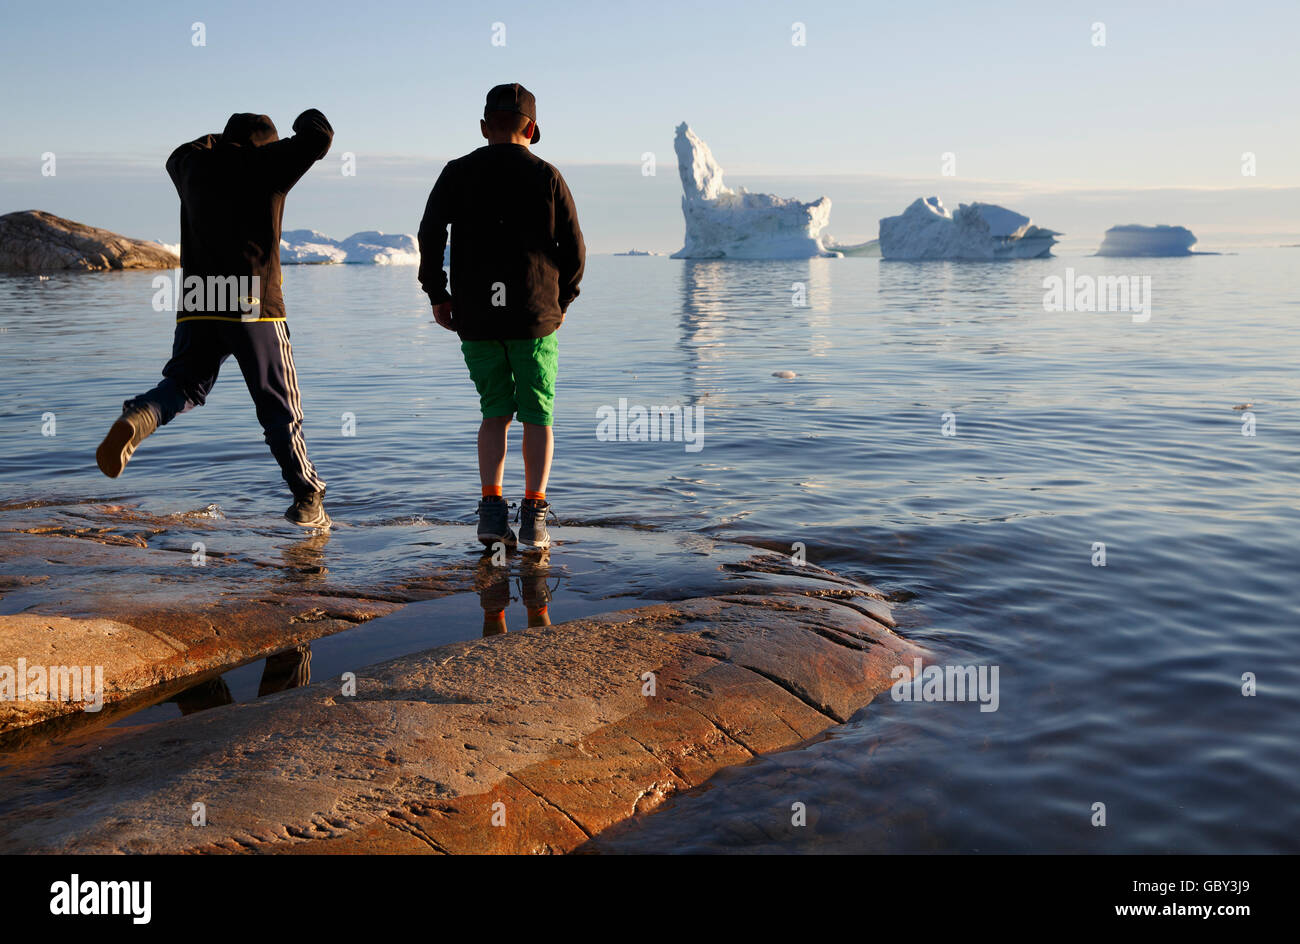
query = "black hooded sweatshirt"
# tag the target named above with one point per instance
(232, 188)
(517, 253)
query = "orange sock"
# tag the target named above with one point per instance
(490, 491)
(534, 496)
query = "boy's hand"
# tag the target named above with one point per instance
(442, 314)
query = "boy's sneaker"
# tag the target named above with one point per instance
(308, 511)
(130, 429)
(494, 522)
(533, 535)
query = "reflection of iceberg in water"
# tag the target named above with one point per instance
(724, 302)
(704, 297)
(958, 297)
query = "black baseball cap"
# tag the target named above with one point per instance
(247, 128)
(514, 97)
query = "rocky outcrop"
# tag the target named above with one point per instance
(514, 742)
(116, 587)
(520, 743)
(35, 241)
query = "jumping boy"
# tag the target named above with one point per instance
(232, 188)
(517, 257)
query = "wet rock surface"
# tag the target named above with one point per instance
(527, 741)
(193, 593)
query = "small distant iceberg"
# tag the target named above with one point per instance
(722, 223)
(977, 231)
(308, 247)
(639, 252)
(1138, 240)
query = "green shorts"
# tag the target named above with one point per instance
(515, 377)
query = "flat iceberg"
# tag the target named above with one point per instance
(306, 246)
(926, 230)
(722, 223)
(1138, 240)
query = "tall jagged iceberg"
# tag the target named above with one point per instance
(722, 223)
(1138, 240)
(926, 230)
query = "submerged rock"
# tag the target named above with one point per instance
(35, 241)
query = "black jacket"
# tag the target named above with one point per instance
(517, 253)
(232, 187)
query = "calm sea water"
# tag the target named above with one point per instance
(1120, 684)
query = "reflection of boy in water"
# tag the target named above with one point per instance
(494, 593)
(284, 670)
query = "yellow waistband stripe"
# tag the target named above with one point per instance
(224, 318)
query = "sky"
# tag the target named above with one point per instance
(1150, 127)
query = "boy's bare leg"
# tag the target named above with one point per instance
(539, 447)
(492, 450)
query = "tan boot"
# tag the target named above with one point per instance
(132, 428)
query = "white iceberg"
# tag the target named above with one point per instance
(870, 248)
(306, 246)
(722, 223)
(926, 230)
(1138, 240)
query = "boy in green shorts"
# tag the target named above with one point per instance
(517, 257)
